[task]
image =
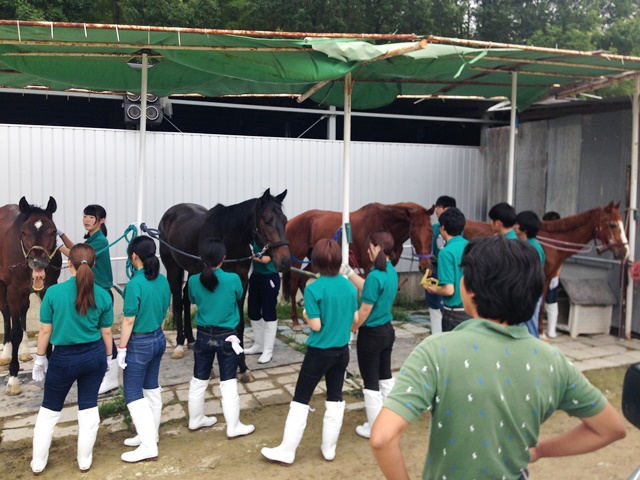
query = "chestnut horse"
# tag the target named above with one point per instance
(29, 261)
(404, 220)
(560, 239)
(183, 226)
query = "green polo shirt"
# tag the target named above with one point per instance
(334, 301)
(489, 388)
(102, 269)
(380, 289)
(449, 271)
(220, 307)
(147, 300)
(536, 244)
(68, 326)
(262, 268)
(511, 235)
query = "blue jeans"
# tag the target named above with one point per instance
(144, 353)
(318, 362)
(211, 340)
(532, 323)
(84, 363)
(433, 301)
(374, 354)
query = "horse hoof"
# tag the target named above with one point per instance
(296, 327)
(13, 387)
(4, 361)
(178, 352)
(246, 377)
(25, 357)
(190, 345)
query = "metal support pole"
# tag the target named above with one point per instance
(346, 166)
(331, 123)
(142, 138)
(512, 137)
(633, 204)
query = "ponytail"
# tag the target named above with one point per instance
(212, 253)
(384, 240)
(83, 258)
(145, 249)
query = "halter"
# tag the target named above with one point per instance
(599, 235)
(26, 253)
(413, 250)
(260, 240)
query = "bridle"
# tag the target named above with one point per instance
(413, 250)
(598, 235)
(26, 252)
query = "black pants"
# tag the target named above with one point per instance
(452, 318)
(374, 354)
(330, 363)
(263, 296)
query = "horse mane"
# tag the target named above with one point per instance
(233, 216)
(567, 223)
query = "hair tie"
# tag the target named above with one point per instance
(83, 261)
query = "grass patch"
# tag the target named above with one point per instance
(114, 407)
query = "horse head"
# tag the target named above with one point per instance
(37, 238)
(421, 234)
(270, 229)
(610, 232)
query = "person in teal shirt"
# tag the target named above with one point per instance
(93, 219)
(264, 285)
(452, 223)
(216, 294)
(330, 309)
(502, 218)
(76, 316)
(142, 344)
(527, 226)
(375, 331)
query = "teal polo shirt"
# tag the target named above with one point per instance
(380, 289)
(102, 269)
(449, 271)
(220, 307)
(536, 244)
(511, 235)
(262, 268)
(68, 326)
(334, 301)
(147, 300)
(434, 243)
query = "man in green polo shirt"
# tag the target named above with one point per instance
(452, 222)
(502, 218)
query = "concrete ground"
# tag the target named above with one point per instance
(274, 382)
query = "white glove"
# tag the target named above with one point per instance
(345, 270)
(59, 242)
(40, 368)
(59, 231)
(235, 344)
(352, 338)
(121, 358)
(109, 364)
(555, 281)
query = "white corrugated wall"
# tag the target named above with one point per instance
(78, 166)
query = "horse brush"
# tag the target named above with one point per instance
(305, 272)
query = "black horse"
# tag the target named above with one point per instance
(183, 226)
(29, 260)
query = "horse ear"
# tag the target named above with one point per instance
(432, 210)
(52, 206)
(617, 205)
(265, 196)
(24, 205)
(280, 197)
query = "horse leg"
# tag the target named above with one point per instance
(293, 290)
(186, 307)
(5, 356)
(23, 350)
(13, 384)
(245, 374)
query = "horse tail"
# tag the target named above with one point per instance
(286, 286)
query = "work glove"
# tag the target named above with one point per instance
(40, 368)
(59, 231)
(345, 270)
(121, 358)
(555, 281)
(235, 344)
(109, 363)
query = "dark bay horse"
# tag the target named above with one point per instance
(404, 220)
(183, 226)
(29, 261)
(560, 239)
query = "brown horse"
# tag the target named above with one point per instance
(29, 260)
(560, 239)
(404, 220)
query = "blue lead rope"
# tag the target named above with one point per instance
(133, 232)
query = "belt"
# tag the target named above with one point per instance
(454, 309)
(140, 334)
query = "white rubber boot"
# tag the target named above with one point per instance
(258, 338)
(293, 431)
(154, 397)
(270, 330)
(231, 410)
(372, 405)
(197, 419)
(331, 425)
(143, 420)
(110, 380)
(386, 386)
(552, 319)
(42, 435)
(435, 316)
(88, 423)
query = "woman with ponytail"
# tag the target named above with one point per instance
(75, 316)
(375, 332)
(142, 343)
(216, 294)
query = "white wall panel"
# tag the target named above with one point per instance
(79, 166)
